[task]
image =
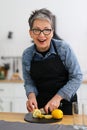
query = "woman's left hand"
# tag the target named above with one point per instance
(54, 103)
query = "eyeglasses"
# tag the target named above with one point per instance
(38, 31)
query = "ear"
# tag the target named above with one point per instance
(52, 33)
(30, 33)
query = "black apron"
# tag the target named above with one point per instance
(49, 76)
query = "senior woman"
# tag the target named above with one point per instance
(51, 71)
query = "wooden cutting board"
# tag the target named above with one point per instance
(29, 118)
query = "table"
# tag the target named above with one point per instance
(15, 121)
(19, 117)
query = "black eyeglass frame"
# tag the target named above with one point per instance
(44, 31)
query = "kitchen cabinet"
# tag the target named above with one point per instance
(6, 97)
(12, 97)
(20, 98)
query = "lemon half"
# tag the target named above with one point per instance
(57, 114)
(36, 113)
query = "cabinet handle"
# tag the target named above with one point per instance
(11, 106)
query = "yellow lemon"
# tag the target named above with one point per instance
(57, 114)
(36, 113)
(47, 116)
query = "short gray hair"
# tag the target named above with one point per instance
(41, 14)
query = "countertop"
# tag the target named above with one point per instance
(19, 117)
(11, 81)
(21, 81)
(11, 116)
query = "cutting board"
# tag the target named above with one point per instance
(29, 118)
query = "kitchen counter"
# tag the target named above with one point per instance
(12, 117)
(11, 81)
(21, 81)
(19, 117)
(15, 121)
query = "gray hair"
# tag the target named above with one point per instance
(41, 14)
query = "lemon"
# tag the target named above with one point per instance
(47, 116)
(36, 113)
(57, 114)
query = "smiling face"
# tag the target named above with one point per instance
(41, 40)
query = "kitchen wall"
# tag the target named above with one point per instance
(71, 25)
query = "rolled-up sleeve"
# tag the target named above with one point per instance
(28, 82)
(75, 74)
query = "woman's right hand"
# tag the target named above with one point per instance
(31, 103)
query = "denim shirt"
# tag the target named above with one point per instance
(69, 60)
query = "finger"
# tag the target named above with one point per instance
(49, 111)
(29, 107)
(46, 108)
(35, 106)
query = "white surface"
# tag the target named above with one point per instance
(82, 93)
(12, 97)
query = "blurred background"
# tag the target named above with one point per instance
(70, 25)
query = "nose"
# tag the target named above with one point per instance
(41, 34)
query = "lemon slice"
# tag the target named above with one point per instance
(36, 113)
(41, 116)
(48, 116)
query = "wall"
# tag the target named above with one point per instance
(71, 25)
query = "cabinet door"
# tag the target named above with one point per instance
(19, 90)
(6, 105)
(19, 98)
(20, 105)
(6, 90)
(12, 97)
(6, 97)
